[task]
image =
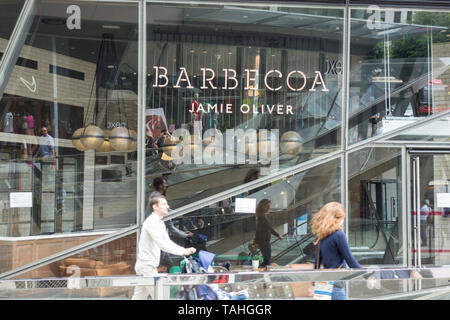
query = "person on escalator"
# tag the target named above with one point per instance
(332, 246)
(264, 231)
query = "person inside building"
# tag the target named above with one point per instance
(252, 174)
(425, 211)
(47, 146)
(161, 141)
(264, 231)
(332, 251)
(154, 239)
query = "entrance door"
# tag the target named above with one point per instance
(430, 207)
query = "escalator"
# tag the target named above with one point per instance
(229, 232)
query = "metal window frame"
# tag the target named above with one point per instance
(16, 42)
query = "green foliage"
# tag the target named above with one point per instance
(410, 47)
(416, 46)
(258, 257)
(437, 19)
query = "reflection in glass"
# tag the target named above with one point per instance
(111, 259)
(227, 227)
(430, 212)
(74, 71)
(235, 88)
(374, 213)
(9, 13)
(435, 130)
(399, 69)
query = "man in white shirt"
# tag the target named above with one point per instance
(160, 186)
(153, 239)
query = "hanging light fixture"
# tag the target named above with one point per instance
(106, 145)
(170, 144)
(76, 140)
(123, 138)
(133, 142)
(291, 143)
(120, 139)
(92, 137)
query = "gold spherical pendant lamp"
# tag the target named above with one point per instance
(76, 140)
(291, 143)
(170, 145)
(92, 137)
(133, 142)
(120, 139)
(106, 145)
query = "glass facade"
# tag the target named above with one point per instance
(398, 69)
(10, 11)
(230, 80)
(230, 103)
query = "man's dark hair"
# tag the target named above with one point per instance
(155, 200)
(157, 182)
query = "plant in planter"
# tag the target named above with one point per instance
(257, 259)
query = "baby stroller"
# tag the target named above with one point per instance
(203, 264)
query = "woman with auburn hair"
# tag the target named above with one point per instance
(333, 249)
(264, 230)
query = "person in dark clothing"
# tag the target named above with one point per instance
(252, 174)
(161, 141)
(264, 231)
(333, 249)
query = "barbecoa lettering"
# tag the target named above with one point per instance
(251, 76)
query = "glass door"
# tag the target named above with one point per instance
(430, 207)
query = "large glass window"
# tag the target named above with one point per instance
(228, 226)
(375, 206)
(69, 121)
(399, 68)
(234, 90)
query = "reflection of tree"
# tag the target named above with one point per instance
(437, 19)
(416, 46)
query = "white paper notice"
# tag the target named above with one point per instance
(21, 199)
(245, 205)
(443, 200)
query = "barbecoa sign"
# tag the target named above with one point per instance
(295, 81)
(231, 81)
